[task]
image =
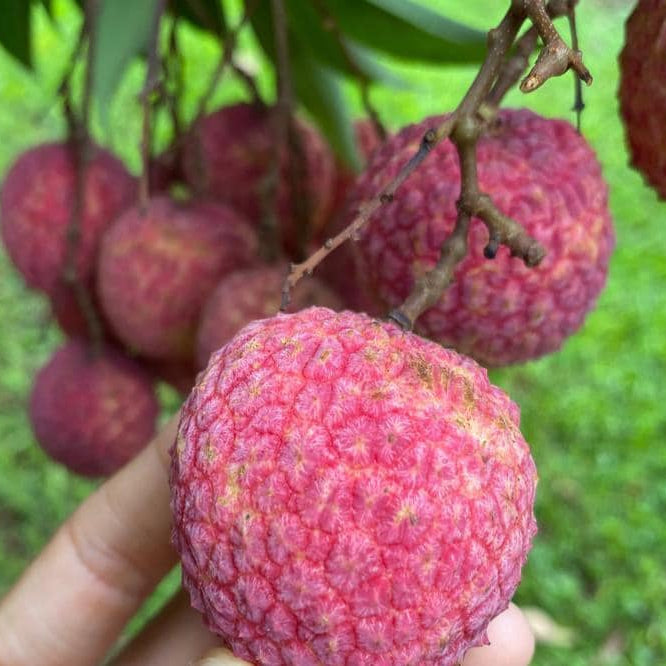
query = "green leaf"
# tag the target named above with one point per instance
(407, 30)
(316, 87)
(206, 14)
(122, 31)
(319, 91)
(15, 29)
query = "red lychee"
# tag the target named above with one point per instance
(253, 293)
(643, 91)
(538, 171)
(158, 266)
(92, 412)
(229, 156)
(347, 493)
(37, 201)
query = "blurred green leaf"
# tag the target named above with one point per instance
(121, 32)
(206, 14)
(407, 30)
(319, 90)
(15, 29)
(316, 87)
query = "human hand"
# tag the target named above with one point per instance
(74, 600)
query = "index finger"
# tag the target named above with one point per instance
(75, 598)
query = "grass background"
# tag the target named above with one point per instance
(593, 412)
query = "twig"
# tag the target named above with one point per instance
(515, 66)
(556, 57)
(579, 104)
(80, 152)
(230, 39)
(149, 87)
(463, 126)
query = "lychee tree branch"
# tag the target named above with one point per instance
(464, 126)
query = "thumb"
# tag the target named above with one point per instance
(220, 657)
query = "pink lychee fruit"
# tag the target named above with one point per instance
(253, 293)
(643, 91)
(230, 155)
(347, 493)
(92, 411)
(36, 208)
(157, 267)
(538, 171)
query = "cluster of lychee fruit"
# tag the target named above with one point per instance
(343, 492)
(146, 290)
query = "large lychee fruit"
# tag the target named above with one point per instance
(643, 91)
(538, 171)
(158, 266)
(230, 154)
(37, 203)
(347, 493)
(253, 293)
(92, 411)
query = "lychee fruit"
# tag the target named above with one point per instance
(253, 293)
(37, 204)
(347, 493)
(538, 171)
(643, 91)
(91, 411)
(230, 155)
(158, 266)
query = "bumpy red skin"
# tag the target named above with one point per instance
(230, 154)
(36, 210)
(538, 171)
(158, 267)
(92, 413)
(643, 91)
(250, 294)
(344, 493)
(340, 269)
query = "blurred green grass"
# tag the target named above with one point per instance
(593, 412)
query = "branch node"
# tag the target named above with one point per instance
(399, 318)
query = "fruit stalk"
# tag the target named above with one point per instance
(77, 129)
(464, 126)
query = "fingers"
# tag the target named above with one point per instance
(72, 602)
(177, 636)
(511, 642)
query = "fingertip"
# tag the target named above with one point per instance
(220, 657)
(511, 642)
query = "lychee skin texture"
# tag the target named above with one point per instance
(643, 91)
(347, 493)
(229, 156)
(538, 171)
(253, 293)
(157, 268)
(37, 201)
(92, 413)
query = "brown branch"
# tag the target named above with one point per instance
(579, 104)
(556, 57)
(150, 86)
(464, 127)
